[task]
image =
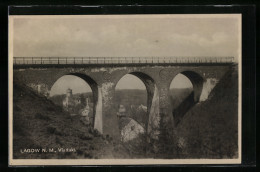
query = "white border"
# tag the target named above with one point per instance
(23, 162)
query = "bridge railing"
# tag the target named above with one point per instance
(118, 60)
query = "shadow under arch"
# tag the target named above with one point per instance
(94, 87)
(197, 82)
(193, 98)
(150, 89)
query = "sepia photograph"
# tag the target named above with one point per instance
(125, 89)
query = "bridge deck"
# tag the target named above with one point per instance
(118, 60)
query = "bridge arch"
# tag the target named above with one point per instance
(151, 92)
(191, 98)
(196, 79)
(92, 84)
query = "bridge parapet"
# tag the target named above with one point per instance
(118, 60)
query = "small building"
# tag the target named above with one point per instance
(142, 107)
(130, 129)
(121, 111)
(71, 102)
(68, 102)
(87, 112)
(77, 100)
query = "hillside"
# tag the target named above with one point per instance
(39, 123)
(210, 128)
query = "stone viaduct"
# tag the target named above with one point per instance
(103, 77)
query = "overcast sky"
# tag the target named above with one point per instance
(126, 36)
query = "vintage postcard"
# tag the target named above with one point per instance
(124, 89)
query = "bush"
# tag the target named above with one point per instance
(43, 117)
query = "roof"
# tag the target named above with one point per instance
(123, 121)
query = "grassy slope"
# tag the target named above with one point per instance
(210, 128)
(38, 123)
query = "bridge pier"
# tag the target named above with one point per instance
(153, 127)
(207, 87)
(166, 119)
(160, 128)
(109, 119)
(98, 117)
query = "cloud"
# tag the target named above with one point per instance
(217, 38)
(123, 37)
(195, 39)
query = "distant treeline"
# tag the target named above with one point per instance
(130, 97)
